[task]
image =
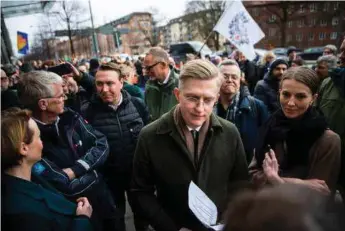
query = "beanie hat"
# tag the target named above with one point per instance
(291, 49)
(277, 62)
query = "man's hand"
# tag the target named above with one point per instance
(69, 173)
(75, 72)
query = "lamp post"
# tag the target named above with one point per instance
(94, 38)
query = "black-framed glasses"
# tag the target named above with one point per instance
(148, 68)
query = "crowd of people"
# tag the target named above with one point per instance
(264, 142)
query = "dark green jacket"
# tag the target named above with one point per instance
(27, 206)
(160, 98)
(162, 162)
(133, 90)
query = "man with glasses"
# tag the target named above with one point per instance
(189, 143)
(159, 95)
(73, 152)
(236, 105)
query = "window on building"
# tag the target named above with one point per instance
(334, 35)
(336, 5)
(289, 24)
(289, 38)
(323, 22)
(272, 32)
(311, 36)
(313, 7)
(335, 21)
(325, 6)
(299, 37)
(322, 35)
(312, 22)
(272, 18)
(301, 8)
(300, 23)
(256, 12)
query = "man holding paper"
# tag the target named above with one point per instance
(188, 144)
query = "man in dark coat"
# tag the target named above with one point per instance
(119, 116)
(73, 151)
(239, 107)
(9, 97)
(187, 144)
(267, 89)
(249, 70)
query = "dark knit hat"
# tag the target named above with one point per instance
(291, 49)
(277, 62)
(94, 64)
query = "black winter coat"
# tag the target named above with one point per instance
(121, 127)
(267, 90)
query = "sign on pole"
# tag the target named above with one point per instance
(239, 28)
(22, 43)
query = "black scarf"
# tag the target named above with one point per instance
(299, 134)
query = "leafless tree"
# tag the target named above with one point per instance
(202, 16)
(68, 13)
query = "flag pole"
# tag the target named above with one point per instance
(208, 36)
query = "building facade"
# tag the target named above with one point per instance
(300, 24)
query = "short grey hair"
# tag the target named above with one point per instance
(200, 69)
(36, 85)
(331, 61)
(228, 62)
(159, 54)
(332, 48)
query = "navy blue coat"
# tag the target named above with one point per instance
(27, 206)
(248, 120)
(267, 91)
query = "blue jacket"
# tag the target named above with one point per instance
(71, 143)
(251, 114)
(27, 206)
(267, 90)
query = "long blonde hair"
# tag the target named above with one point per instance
(263, 59)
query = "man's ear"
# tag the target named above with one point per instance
(314, 99)
(42, 104)
(177, 94)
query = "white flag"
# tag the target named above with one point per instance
(239, 28)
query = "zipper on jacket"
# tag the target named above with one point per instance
(118, 121)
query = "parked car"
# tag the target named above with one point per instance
(312, 53)
(280, 51)
(178, 51)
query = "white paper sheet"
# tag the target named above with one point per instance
(202, 207)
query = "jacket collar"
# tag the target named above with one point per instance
(54, 201)
(172, 78)
(166, 123)
(126, 97)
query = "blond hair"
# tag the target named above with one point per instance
(200, 69)
(268, 53)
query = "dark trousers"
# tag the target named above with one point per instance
(119, 184)
(105, 216)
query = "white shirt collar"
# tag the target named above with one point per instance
(166, 79)
(55, 123)
(118, 104)
(197, 129)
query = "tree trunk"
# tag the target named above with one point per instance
(70, 36)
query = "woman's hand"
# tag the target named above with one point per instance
(84, 207)
(271, 167)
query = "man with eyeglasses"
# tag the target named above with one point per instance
(239, 107)
(73, 152)
(159, 95)
(189, 143)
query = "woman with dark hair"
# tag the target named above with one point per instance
(295, 145)
(25, 204)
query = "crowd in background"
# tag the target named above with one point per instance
(264, 140)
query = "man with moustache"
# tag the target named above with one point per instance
(267, 89)
(236, 105)
(189, 143)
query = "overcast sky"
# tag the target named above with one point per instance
(103, 11)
